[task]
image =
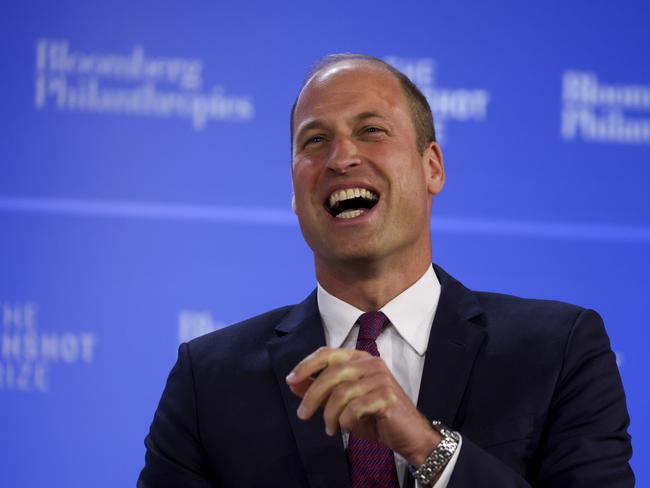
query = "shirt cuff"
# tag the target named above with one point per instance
(445, 476)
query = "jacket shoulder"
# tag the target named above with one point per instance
(494, 302)
(246, 335)
(534, 319)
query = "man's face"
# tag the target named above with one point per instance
(362, 189)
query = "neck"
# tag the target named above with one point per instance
(370, 285)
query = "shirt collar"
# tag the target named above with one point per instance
(411, 313)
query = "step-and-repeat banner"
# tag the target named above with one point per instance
(145, 190)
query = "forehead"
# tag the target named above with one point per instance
(348, 88)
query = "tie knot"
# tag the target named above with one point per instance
(371, 325)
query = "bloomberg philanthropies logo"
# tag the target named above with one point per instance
(195, 323)
(594, 111)
(27, 354)
(457, 104)
(131, 84)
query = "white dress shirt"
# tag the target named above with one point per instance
(402, 345)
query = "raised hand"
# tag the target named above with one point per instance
(359, 394)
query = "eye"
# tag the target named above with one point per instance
(372, 130)
(313, 140)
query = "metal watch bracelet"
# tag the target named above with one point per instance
(439, 457)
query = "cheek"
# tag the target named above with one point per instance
(304, 172)
(301, 180)
(409, 176)
(304, 190)
(410, 188)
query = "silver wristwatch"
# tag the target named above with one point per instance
(439, 457)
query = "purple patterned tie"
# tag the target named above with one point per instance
(371, 464)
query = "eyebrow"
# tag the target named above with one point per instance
(370, 115)
(317, 123)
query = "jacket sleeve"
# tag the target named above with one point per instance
(585, 440)
(174, 456)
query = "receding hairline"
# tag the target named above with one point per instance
(363, 115)
(415, 100)
(360, 60)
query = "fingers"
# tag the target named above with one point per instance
(299, 389)
(345, 393)
(319, 392)
(305, 372)
(343, 375)
(359, 394)
(369, 404)
(317, 361)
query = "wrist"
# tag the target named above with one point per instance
(429, 441)
(430, 470)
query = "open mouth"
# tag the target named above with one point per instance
(349, 203)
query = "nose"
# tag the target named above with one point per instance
(343, 155)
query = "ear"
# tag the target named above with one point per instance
(293, 203)
(434, 168)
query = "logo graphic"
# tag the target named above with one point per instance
(447, 104)
(132, 84)
(27, 354)
(195, 323)
(597, 112)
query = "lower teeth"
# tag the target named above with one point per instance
(349, 214)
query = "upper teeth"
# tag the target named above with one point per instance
(348, 193)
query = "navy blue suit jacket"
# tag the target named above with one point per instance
(532, 386)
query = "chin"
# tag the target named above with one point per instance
(353, 255)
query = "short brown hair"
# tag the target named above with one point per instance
(421, 115)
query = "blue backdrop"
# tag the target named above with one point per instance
(145, 190)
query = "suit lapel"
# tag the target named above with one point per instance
(299, 334)
(455, 339)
